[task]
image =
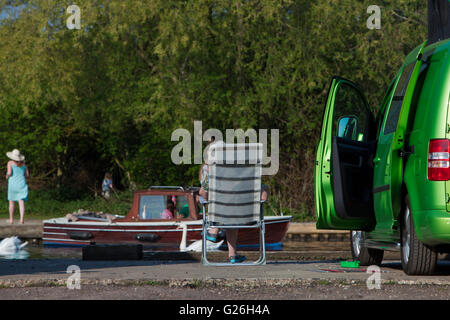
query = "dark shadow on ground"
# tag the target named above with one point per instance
(59, 266)
(442, 268)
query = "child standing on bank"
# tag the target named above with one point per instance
(107, 185)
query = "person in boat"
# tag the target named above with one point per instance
(184, 212)
(168, 213)
(17, 172)
(107, 185)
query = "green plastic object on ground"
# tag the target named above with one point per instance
(350, 264)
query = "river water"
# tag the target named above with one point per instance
(38, 251)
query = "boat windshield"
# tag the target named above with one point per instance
(157, 207)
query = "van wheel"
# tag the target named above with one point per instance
(417, 258)
(366, 256)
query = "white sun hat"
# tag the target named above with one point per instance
(15, 155)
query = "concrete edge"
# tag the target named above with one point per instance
(205, 283)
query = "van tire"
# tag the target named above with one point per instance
(365, 256)
(417, 258)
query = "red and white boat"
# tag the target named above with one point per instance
(144, 225)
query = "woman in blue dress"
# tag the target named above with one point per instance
(17, 184)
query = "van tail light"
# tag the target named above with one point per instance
(439, 160)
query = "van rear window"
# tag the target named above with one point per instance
(396, 104)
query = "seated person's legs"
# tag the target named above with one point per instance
(232, 236)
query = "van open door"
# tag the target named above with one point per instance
(343, 174)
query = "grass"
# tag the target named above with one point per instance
(272, 208)
(155, 283)
(324, 282)
(51, 203)
(297, 216)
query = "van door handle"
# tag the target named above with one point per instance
(376, 160)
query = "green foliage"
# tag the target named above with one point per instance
(107, 97)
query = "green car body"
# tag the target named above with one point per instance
(372, 172)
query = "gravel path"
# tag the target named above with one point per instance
(317, 290)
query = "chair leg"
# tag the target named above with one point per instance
(262, 246)
(262, 249)
(204, 246)
(263, 243)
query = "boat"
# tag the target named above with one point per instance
(143, 224)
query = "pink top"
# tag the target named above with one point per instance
(166, 214)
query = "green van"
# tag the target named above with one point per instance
(387, 177)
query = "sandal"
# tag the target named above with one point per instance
(236, 259)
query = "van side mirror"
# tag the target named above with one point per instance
(348, 128)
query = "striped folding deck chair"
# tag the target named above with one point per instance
(234, 193)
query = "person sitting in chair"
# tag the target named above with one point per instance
(231, 234)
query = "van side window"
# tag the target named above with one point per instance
(350, 104)
(396, 104)
(384, 107)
